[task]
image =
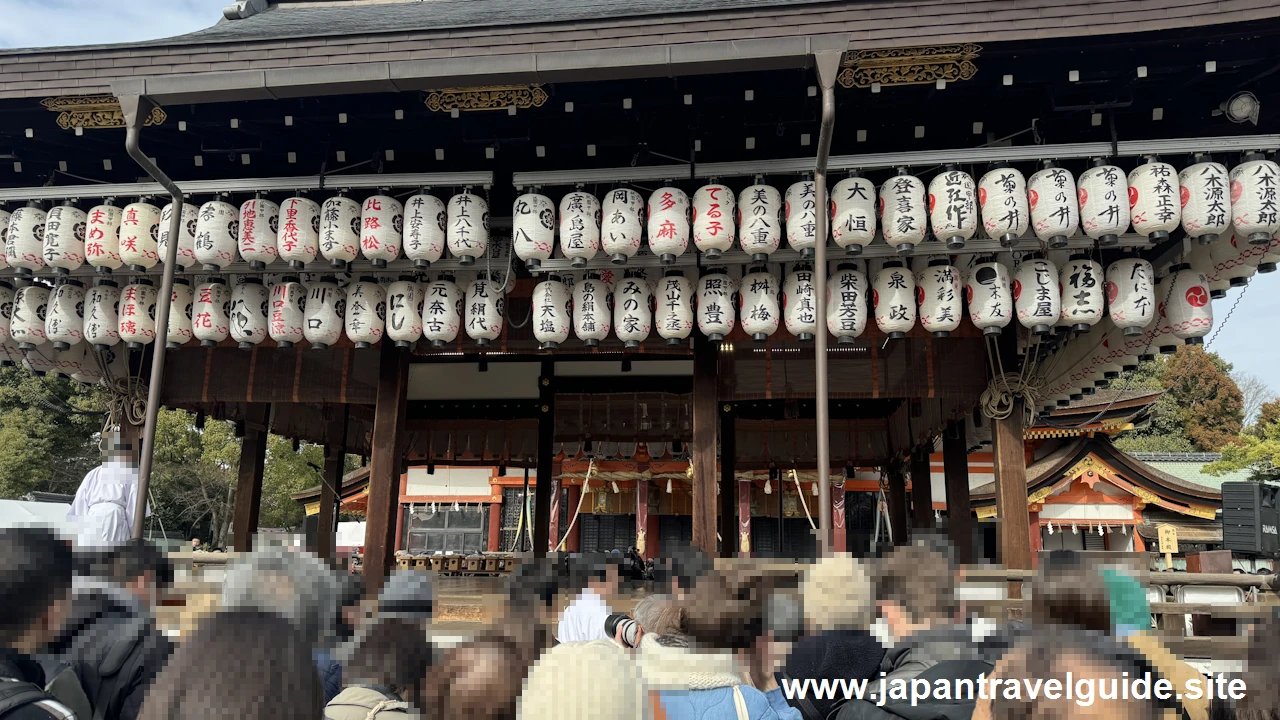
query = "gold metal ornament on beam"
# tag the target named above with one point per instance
(94, 111)
(909, 66)
(496, 97)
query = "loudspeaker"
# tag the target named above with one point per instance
(1251, 518)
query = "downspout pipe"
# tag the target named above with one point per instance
(827, 63)
(136, 108)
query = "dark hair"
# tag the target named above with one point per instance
(394, 653)
(1067, 591)
(479, 680)
(536, 583)
(36, 567)
(919, 579)
(727, 607)
(589, 567)
(1262, 702)
(136, 558)
(685, 566)
(243, 664)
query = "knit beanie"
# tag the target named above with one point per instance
(1130, 610)
(595, 680)
(407, 595)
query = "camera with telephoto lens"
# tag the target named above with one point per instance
(630, 628)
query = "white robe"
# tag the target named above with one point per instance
(105, 505)
(584, 619)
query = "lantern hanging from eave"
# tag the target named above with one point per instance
(85, 368)
(953, 209)
(592, 311)
(1083, 294)
(893, 297)
(1055, 210)
(799, 304)
(298, 239)
(140, 236)
(1190, 309)
(5, 217)
(288, 311)
(938, 294)
(64, 320)
(853, 213)
(1104, 202)
(468, 227)
(1205, 195)
(622, 225)
(101, 316)
(211, 316)
(75, 361)
(250, 308)
(1267, 263)
(847, 302)
(674, 307)
(366, 312)
(186, 234)
(759, 307)
(30, 305)
(6, 309)
(668, 213)
(759, 220)
(442, 310)
(259, 226)
(404, 321)
(1233, 261)
(1155, 204)
(381, 228)
(1036, 296)
(989, 296)
(425, 219)
(181, 300)
(138, 314)
(1002, 197)
(533, 229)
(551, 312)
(483, 310)
(801, 213)
(716, 312)
(325, 313)
(24, 245)
(1255, 205)
(579, 227)
(37, 361)
(339, 231)
(632, 309)
(64, 229)
(904, 216)
(714, 226)
(1201, 258)
(1161, 331)
(217, 233)
(1131, 294)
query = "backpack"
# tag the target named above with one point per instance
(101, 677)
(367, 702)
(16, 695)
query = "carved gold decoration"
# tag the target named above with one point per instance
(496, 97)
(910, 66)
(1040, 495)
(94, 111)
(744, 541)
(640, 534)
(1201, 511)
(1090, 462)
(1145, 495)
(986, 511)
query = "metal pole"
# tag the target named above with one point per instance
(828, 64)
(136, 108)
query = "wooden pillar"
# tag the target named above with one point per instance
(704, 444)
(553, 525)
(744, 519)
(495, 527)
(330, 486)
(571, 539)
(253, 455)
(402, 489)
(546, 445)
(839, 537)
(1011, 491)
(730, 530)
(384, 465)
(898, 503)
(642, 517)
(921, 489)
(955, 466)
(1033, 533)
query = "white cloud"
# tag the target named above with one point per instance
(51, 23)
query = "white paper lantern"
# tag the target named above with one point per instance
(1002, 197)
(1205, 197)
(989, 297)
(1190, 309)
(382, 225)
(847, 303)
(953, 207)
(632, 309)
(1255, 206)
(1231, 261)
(211, 316)
(621, 224)
(288, 312)
(24, 245)
(64, 319)
(674, 307)
(551, 312)
(760, 309)
(1036, 295)
(217, 233)
(366, 312)
(1131, 294)
(801, 213)
(1161, 332)
(853, 213)
(483, 310)
(668, 213)
(425, 218)
(64, 229)
(1083, 292)
(140, 236)
(533, 229)
(404, 319)
(250, 309)
(904, 215)
(1201, 258)
(442, 311)
(186, 234)
(259, 229)
(102, 315)
(579, 227)
(181, 302)
(325, 313)
(714, 226)
(716, 314)
(30, 305)
(1267, 264)
(1104, 202)
(893, 297)
(1155, 204)
(468, 227)
(938, 294)
(138, 314)
(759, 220)
(5, 217)
(38, 361)
(1055, 210)
(340, 228)
(592, 314)
(77, 361)
(298, 238)
(799, 303)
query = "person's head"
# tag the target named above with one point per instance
(915, 590)
(837, 595)
(247, 665)
(351, 610)
(660, 615)
(140, 568)
(296, 585)
(478, 680)
(531, 589)
(726, 608)
(681, 570)
(36, 567)
(406, 596)
(1069, 591)
(597, 572)
(1262, 666)
(195, 543)
(394, 653)
(583, 680)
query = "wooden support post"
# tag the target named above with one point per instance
(704, 444)
(898, 503)
(955, 466)
(553, 525)
(495, 527)
(921, 488)
(546, 445)
(730, 530)
(331, 482)
(253, 455)
(1011, 493)
(571, 507)
(642, 517)
(385, 465)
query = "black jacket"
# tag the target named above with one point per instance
(21, 674)
(833, 655)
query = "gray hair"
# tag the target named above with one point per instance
(659, 615)
(295, 585)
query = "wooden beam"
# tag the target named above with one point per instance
(384, 465)
(730, 530)
(705, 415)
(575, 497)
(955, 466)
(921, 488)
(1011, 490)
(546, 448)
(253, 454)
(898, 503)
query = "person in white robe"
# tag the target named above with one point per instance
(106, 502)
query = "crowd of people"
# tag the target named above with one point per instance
(841, 638)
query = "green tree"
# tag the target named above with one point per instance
(49, 430)
(1257, 452)
(1200, 411)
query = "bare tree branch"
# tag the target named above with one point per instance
(1256, 393)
